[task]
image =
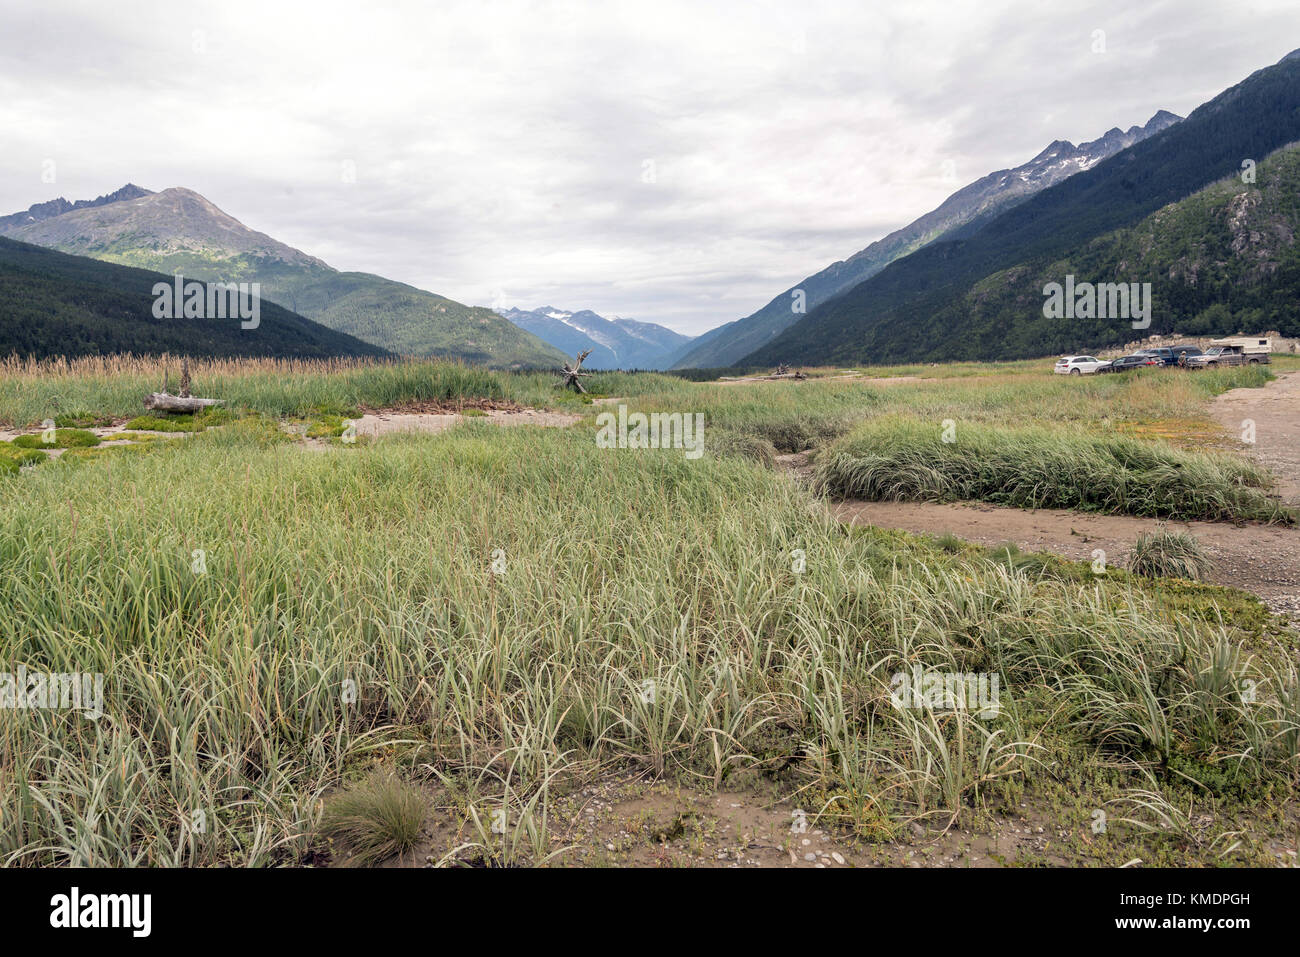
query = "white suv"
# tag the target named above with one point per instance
(1079, 365)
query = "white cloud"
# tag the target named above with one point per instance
(500, 147)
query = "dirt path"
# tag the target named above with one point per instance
(1275, 412)
(634, 820)
(1262, 559)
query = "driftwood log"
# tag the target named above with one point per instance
(571, 375)
(162, 402)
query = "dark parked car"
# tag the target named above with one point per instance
(1166, 356)
(1135, 361)
(1169, 355)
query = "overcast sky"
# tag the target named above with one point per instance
(679, 163)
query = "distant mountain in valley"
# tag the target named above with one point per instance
(614, 343)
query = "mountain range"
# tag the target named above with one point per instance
(980, 296)
(1204, 211)
(963, 211)
(179, 231)
(614, 343)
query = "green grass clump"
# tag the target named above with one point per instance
(1169, 553)
(82, 420)
(138, 437)
(17, 456)
(181, 422)
(159, 423)
(326, 426)
(1036, 564)
(377, 818)
(73, 456)
(753, 447)
(63, 439)
(899, 459)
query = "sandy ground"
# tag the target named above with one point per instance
(633, 820)
(106, 433)
(1275, 411)
(388, 423)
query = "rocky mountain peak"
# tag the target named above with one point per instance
(175, 220)
(39, 212)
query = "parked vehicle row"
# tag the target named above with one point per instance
(1089, 365)
(1234, 351)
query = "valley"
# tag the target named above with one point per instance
(451, 471)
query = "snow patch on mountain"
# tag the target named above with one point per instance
(615, 343)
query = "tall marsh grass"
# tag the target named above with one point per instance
(349, 611)
(32, 391)
(897, 459)
(791, 415)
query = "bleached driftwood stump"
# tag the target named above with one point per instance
(183, 402)
(571, 375)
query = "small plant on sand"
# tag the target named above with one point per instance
(376, 818)
(1165, 553)
(63, 439)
